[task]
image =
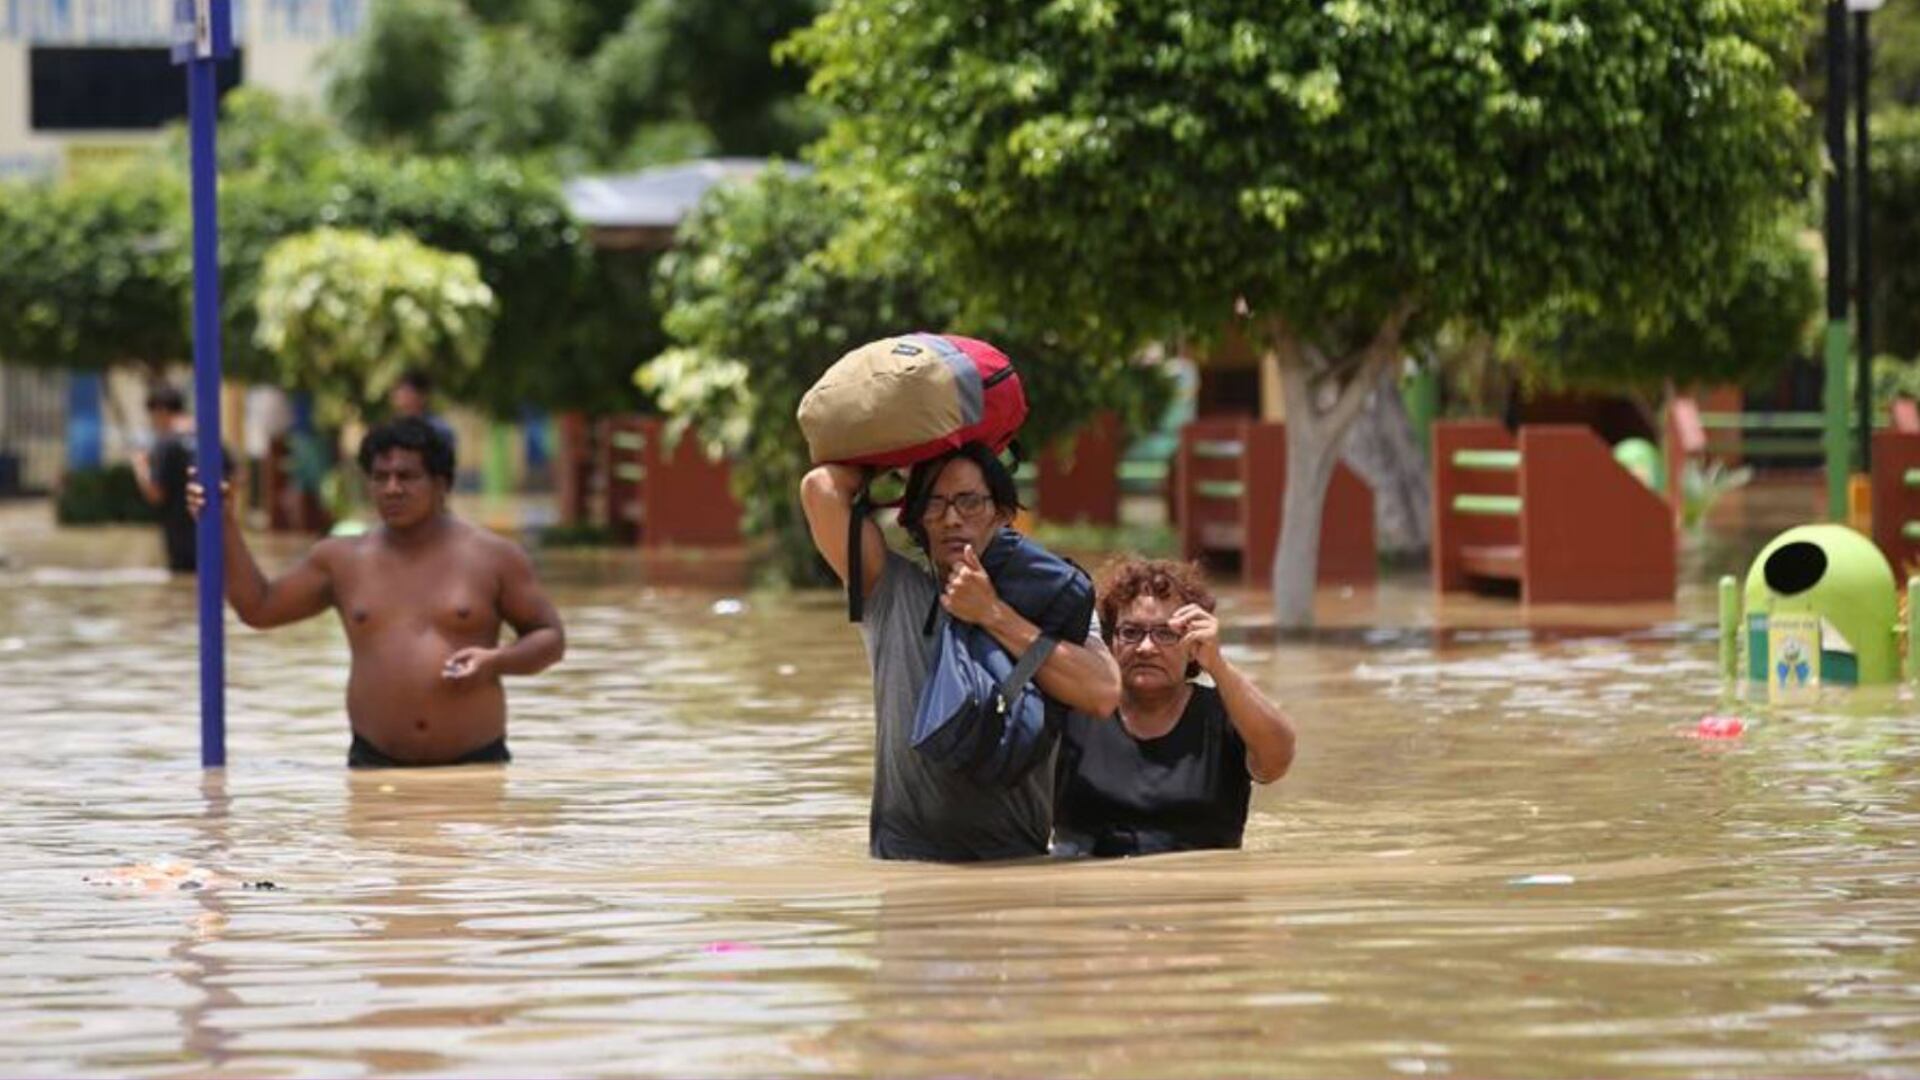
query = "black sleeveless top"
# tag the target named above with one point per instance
(1118, 795)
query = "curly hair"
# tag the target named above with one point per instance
(1129, 577)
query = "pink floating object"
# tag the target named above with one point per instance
(729, 947)
(1720, 727)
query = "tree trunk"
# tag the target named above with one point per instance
(1383, 450)
(1296, 564)
(1315, 434)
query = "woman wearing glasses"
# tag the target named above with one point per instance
(1174, 773)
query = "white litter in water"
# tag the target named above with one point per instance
(729, 606)
(787, 669)
(1542, 879)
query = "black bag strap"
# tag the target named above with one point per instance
(1029, 664)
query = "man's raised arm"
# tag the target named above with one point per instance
(826, 496)
(300, 593)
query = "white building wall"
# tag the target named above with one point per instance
(284, 42)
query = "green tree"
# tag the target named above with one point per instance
(757, 311)
(542, 108)
(1894, 178)
(1746, 333)
(707, 63)
(1340, 177)
(592, 81)
(344, 314)
(510, 218)
(395, 81)
(94, 272)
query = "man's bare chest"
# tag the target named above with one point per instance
(378, 595)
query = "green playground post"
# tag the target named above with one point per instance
(496, 468)
(1839, 450)
(1730, 627)
(1421, 393)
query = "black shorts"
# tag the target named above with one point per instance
(364, 755)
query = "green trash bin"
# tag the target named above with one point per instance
(1839, 575)
(1642, 459)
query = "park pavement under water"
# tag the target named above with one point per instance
(1500, 853)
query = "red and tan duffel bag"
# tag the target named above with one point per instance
(898, 401)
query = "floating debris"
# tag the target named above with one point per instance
(1542, 879)
(1720, 727)
(172, 875)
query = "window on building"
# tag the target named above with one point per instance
(101, 89)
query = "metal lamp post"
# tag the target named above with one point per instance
(1841, 270)
(202, 37)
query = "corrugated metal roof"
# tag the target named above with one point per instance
(658, 197)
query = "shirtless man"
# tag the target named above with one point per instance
(422, 598)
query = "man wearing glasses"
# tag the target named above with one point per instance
(954, 505)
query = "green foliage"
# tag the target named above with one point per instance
(345, 314)
(1895, 30)
(1763, 318)
(267, 135)
(1344, 177)
(94, 272)
(709, 63)
(1119, 170)
(1895, 231)
(395, 80)
(1893, 378)
(509, 218)
(541, 107)
(582, 81)
(103, 496)
(1701, 485)
(759, 311)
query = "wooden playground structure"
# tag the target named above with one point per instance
(621, 470)
(1229, 484)
(1549, 511)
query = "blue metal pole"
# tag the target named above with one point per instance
(84, 436)
(202, 100)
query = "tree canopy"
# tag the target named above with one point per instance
(345, 314)
(95, 271)
(1762, 320)
(593, 83)
(1134, 165)
(509, 217)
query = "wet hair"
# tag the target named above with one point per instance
(165, 396)
(1129, 577)
(409, 433)
(418, 381)
(920, 481)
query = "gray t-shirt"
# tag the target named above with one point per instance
(922, 810)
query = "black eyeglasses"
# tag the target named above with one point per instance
(971, 504)
(1133, 633)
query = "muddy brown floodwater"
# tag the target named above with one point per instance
(1499, 854)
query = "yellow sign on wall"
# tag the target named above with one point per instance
(87, 159)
